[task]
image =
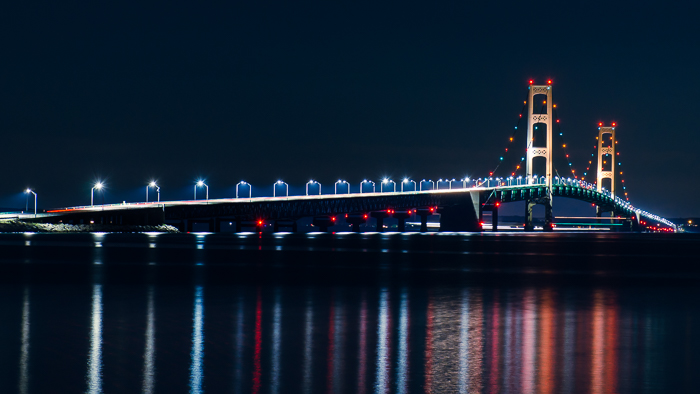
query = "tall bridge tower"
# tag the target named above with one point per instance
(603, 151)
(539, 117)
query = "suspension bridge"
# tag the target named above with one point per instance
(460, 208)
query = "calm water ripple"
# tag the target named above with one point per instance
(349, 313)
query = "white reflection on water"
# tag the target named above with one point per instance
(197, 354)
(149, 353)
(94, 376)
(403, 361)
(24, 351)
(464, 344)
(362, 356)
(276, 343)
(338, 346)
(382, 384)
(308, 344)
(529, 338)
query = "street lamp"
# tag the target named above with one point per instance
(366, 181)
(32, 192)
(250, 188)
(150, 185)
(274, 188)
(406, 180)
(312, 182)
(342, 181)
(385, 181)
(432, 184)
(200, 183)
(97, 186)
(453, 180)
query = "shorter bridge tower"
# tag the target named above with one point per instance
(603, 151)
(535, 118)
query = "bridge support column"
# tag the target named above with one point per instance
(380, 216)
(401, 217)
(529, 204)
(322, 222)
(215, 225)
(356, 221)
(548, 222)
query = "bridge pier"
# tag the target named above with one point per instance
(356, 221)
(380, 216)
(401, 217)
(493, 208)
(285, 223)
(323, 222)
(548, 222)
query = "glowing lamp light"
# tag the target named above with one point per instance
(549, 82)
(152, 184)
(200, 183)
(98, 185)
(28, 191)
(614, 124)
(260, 222)
(365, 216)
(600, 124)
(333, 219)
(531, 82)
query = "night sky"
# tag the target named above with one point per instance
(128, 92)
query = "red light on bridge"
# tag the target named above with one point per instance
(431, 209)
(498, 204)
(346, 215)
(259, 222)
(481, 224)
(614, 124)
(333, 219)
(365, 216)
(549, 82)
(600, 124)
(531, 82)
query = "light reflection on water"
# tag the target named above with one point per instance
(472, 340)
(382, 337)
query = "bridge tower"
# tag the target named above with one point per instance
(537, 118)
(602, 152)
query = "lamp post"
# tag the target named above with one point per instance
(97, 186)
(200, 183)
(385, 181)
(406, 180)
(312, 182)
(366, 181)
(32, 192)
(274, 188)
(153, 185)
(453, 180)
(464, 182)
(342, 181)
(250, 188)
(432, 184)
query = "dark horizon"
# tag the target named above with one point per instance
(262, 92)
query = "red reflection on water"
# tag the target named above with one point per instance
(258, 344)
(547, 342)
(611, 338)
(598, 343)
